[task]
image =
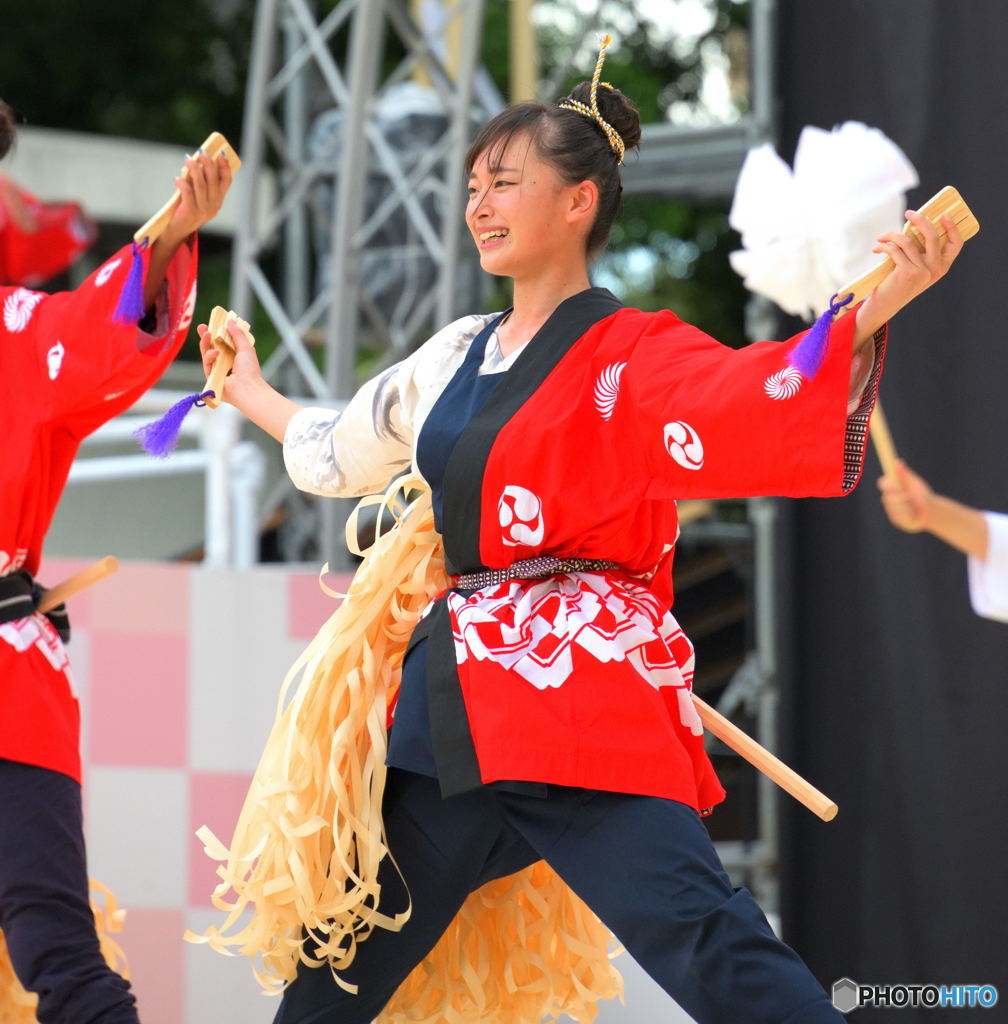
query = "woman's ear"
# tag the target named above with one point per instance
(583, 201)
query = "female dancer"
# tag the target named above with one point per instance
(65, 368)
(982, 536)
(39, 240)
(544, 712)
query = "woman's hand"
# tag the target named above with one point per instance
(203, 190)
(245, 387)
(915, 269)
(907, 499)
(245, 371)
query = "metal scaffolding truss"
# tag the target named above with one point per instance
(347, 210)
(334, 66)
(362, 247)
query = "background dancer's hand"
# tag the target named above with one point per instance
(907, 499)
(912, 505)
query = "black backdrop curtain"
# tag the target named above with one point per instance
(895, 693)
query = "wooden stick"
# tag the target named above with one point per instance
(771, 766)
(691, 510)
(217, 325)
(946, 202)
(215, 143)
(78, 582)
(884, 447)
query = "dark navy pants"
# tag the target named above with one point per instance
(44, 909)
(645, 866)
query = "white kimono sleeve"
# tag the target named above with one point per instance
(988, 579)
(359, 450)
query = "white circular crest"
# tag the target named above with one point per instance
(607, 389)
(784, 384)
(18, 309)
(106, 272)
(683, 443)
(187, 311)
(54, 359)
(519, 512)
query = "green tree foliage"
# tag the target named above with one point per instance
(670, 254)
(159, 71)
(666, 251)
(170, 72)
(163, 72)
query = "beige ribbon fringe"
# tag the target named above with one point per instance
(18, 1006)
(309, 838)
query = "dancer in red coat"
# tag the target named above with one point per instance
(39, 240)
(544, 711)
(65, 368)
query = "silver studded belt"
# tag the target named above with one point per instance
(530, 569)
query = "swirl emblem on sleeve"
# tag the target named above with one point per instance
(106, 272)
(683, 443)
(519, 512)
(784, 384)
(607, 389)
(18, 309)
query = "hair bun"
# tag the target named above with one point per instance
(6, 128)
(615, 108)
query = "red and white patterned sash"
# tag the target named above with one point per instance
(533, 628)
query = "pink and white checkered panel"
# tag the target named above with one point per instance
(179, 668)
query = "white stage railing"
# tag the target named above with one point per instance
(234, 471)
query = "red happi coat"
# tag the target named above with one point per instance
(65, 368)
(39, 240)
(609, 416)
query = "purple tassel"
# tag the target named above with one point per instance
(131, 300)
(807, 356)
(161, 436)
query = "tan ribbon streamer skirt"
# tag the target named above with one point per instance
(309, 839)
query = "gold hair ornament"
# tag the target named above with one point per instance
(592, 112)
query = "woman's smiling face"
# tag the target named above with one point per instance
(517, 210)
